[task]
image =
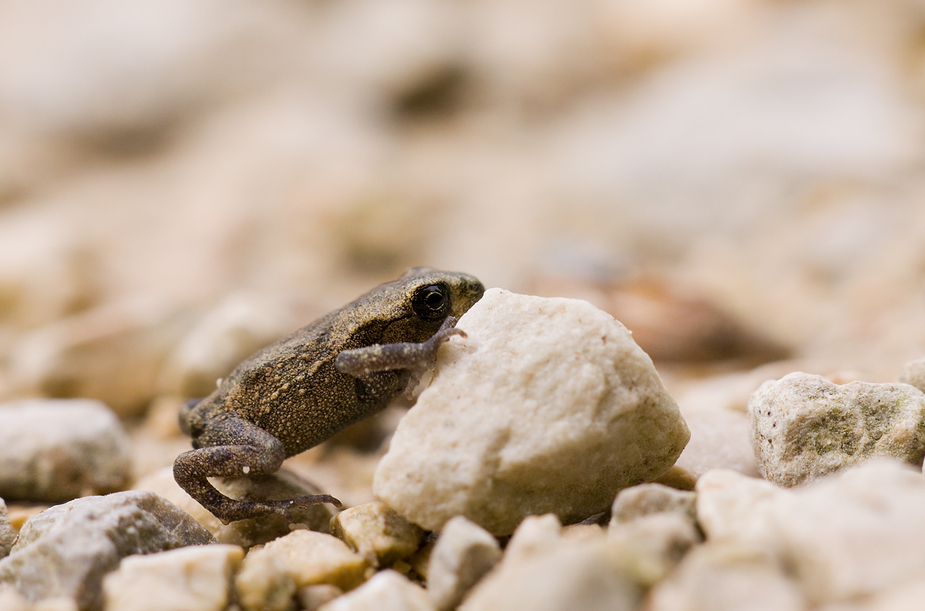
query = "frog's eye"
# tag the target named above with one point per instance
(431, 302)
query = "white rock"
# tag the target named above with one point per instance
(386, 591)
(727, 577)
(804, 426)
(7, 532)
(547, 407)
(580, 574)
(57, 450)
(647, 499)
(194, 578)
(850, 535)
(377, 533)
(914, 374)
(66, 550)
(464, 552)
(650, 546)
(720, 439)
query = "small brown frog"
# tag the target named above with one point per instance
(298, 392)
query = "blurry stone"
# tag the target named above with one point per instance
(651, 546)
(68, 549)
(57, 450)
(112, 353)
(254, 531)
(677, 477)
(271, 575)
(11, 600)
(805, 427)
(313, 597)
(647, 499)
(535, 535)
(376, 532)
(583, 574)
(914, 374)
(385, 591)
(196, 578)
(727, 577)
(7, 532)
(219, 341)
(720, 439)
(844, 537)
(670, 326)
(420, 560)
(523, 416)
(463, 554)
(581, 531)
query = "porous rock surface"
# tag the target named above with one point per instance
(805, 426)
(57, 450)
(66, 550)
(547, 407)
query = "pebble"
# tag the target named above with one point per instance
(57, 450)
(254, 531)
(7, 532)
(805, 426)
(851, 535)
(377, 533)
(914, 374)
(462, 555)
(651, 546)
(66, 550)
(11, 600)
(312, 597)
(547, 407)
(647, 499)
(196, 578)
(387, 590)
(720, 439)
(270, 576)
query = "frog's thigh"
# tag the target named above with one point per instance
(231, 447)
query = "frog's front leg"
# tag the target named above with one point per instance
(417, 358)
(232, 447)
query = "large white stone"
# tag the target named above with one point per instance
(805, 426)
(548, 406)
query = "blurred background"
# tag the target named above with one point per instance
(183, 181)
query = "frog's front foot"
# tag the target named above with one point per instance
(418, 358)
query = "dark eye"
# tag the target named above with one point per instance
(431, 302)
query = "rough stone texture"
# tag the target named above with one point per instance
(7, 532)
(463, 554)
(650, 546)
(720, 439)
(57, 450)
(378, 533)
(804, 426)
(646, 499)
(194, 578)
(67, 549)
(850, 535)
(582, 574)
(270, 576)
(727, 577)
(913, 373)
(386, 591)
(547, 407)
(280, 485)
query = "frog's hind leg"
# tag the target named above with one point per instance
(233, 447)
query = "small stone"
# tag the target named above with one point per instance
(386, 591)
(580, 574)
(650, 546)
(720, 439)
(194, 578)
(463, 554)
(547, 407)
(914, 374)
(727, 577)
(378, 533)
(535, 535)
(313, 597)
(647, 499)
(804, 426)
(254, 531)
(11, 600)
(270, 576)
(7, 532)
(67, 549)
(57, 450)
(728, 502)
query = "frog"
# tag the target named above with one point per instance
(298, 392)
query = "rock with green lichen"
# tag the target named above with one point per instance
(805, 426)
